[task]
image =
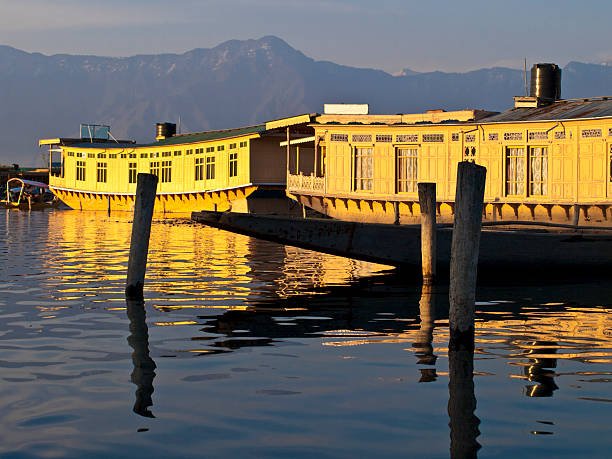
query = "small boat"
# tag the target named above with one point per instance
(28, 195)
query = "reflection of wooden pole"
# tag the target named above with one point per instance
(427, 203)
(141, 230)
(464, 253)
(462, 404)
(144, 365)
(424, 337)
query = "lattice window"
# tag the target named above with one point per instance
(154, 168)
(112, 156)
(362, 137)
(455, 137)
(384, 138)
(515, 171)
(364, 168)
(538, 135)
(407, 170)
(609, 132)
(177, 153)
(513, 136)
(243, 144)
(470, 138)
(232, 146)
(590, 133)
(433, 137)
(219, 148)
(339, 137)
(538, 171)
(493, 136)
(132, 155)
(165, 154)
(91, 155)
(101, 155)
(560, 135)
(71, 153)
(404, 138)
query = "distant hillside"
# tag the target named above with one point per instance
(236, 83)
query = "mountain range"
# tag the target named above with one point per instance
(234, 84)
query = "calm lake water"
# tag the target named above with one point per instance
(255, 350)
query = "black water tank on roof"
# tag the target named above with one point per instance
(165, 130)
(546, 82)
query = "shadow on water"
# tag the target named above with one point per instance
(144, 366)
(384, 307)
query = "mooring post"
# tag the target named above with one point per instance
(396, 213)
(427, 203)
(576, 215)
(141, 230)
(464, 253)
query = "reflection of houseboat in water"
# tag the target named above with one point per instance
(242, 169)
(547, 159)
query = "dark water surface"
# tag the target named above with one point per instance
(254, 350)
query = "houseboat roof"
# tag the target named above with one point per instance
(179, 139)
(564, 109)
(429, 117)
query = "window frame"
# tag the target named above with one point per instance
(358, 181)
(233, 164)
(101, 172)
(412, 158)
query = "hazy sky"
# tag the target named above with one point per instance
(448, 35)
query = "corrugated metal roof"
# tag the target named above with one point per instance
(560, 110)
(209, 135)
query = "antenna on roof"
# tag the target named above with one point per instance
(525, 76)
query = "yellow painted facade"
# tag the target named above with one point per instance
(536, 170)
(207, 171)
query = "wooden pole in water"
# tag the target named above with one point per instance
(464, 253)
(141, 230)
(576, 215)
(427, 203)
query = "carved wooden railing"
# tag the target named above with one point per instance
(305, 183)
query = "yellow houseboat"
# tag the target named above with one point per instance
(547, 159)
(242, 170)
